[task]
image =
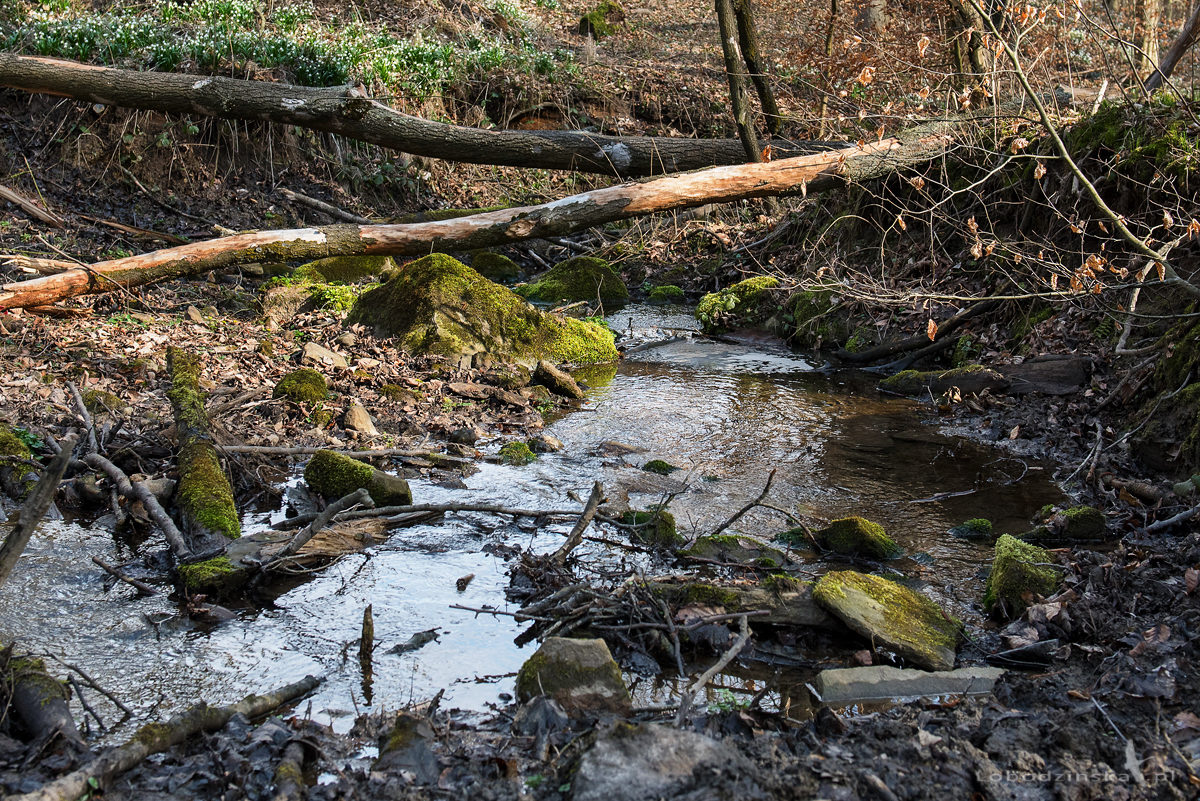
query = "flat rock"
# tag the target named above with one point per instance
(580, 675)
(647, 761)
(847, 685)
(557, 381)
(319, 354)
(472, 391)
(1048, 375)
(891, 615)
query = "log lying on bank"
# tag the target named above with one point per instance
(40, 702)
(157, 737)
(785, 602)
(819, 171)
(348, 113)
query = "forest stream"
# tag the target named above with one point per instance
(725, 412)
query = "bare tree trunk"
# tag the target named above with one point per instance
(1184, 42)
(823, 111)
(739, 101)
(752, 55)
(972, 58)
(815, 172)
(1149, 17)
(337, 111)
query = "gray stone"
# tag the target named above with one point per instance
(557, 381)
(648, 761)
(579, 674)
(318, 354)
(467, 435)
(544, 443)
(846, 685)
(407, 748)
(357, 419)
(539, 717)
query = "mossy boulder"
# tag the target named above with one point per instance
(746, 304)
(602, 20)
(977, 528)
(408, 747)
(857, 536)
(347, 269)
(495, 266)
(1075, 524)
(891, 615)
(302, 386)
(660, 467)
(517, 453)
(736, 548)
(399, 394)
(335, 475)
(17, 480)
(814, 318)
(583, 278)
(440, 306)
(970, 380)
(667, 294)
(1019, 576)
(217, 576)
(580, 675)
(655, 528)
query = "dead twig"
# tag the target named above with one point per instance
(756, 502)
(140, 586)
(685, 703)
(559, 557)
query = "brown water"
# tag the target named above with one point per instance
(727, 413)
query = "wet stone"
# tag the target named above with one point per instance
(847, 685)
(544, 443)
(580, 675)
(557, 381)
(357, 419)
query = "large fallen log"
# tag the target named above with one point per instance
(818, 171)
(340, 111)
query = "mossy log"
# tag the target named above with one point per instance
(40, 702)
(787, 601)
(829, 169)
(204, 496)
(154, 738)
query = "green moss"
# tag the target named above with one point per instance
(667, 294)
(1076, 524)
(660, 467)
(212, 576)
(184, 394)
(335, 475)
(495, 266)
(97, 401)
(863, 338)
(812, 318)
(1139, 142)
(908, 622)
(971, 379)
(966, 351)
(302, 386)
(539, 676)
(736, 548)
(583, 278)
(395, 392)
(857, 536)
(204, 494)
(744, 304)
(977, 528)
(516, 453)
(602, 20)
(512, 376)
(438, 305)
(345, 269)
(1018, 575)
(154, 735)
(710, 595)
(288, 772)
(336, 296)
(781, 583)
(18, 479)
(656, 528)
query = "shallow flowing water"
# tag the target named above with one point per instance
(727, 413)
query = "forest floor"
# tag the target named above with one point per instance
(1107, 713)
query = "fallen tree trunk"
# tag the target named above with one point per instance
(337, 110)
(155, 737)
(801, 174)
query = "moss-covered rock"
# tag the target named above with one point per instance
(438, 305)
(97, 401)
(580, 675)
(512, 376)
(602, 20)
(17, 480)
(655, 528)
(746, 304)
(583, 278)
(813, 318)
(302, 386)
(517, 453)
(399, 394)
(970, 380)
(667, 294)
(891, 615)
(977, 528)
(335, 475)
(347, 269)
(1019, 576)
(857, 536)
(1075, 524)
(495, 266)
(660, 467)
(736, 548)
(216, 576)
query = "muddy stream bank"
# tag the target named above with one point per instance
(725, 412)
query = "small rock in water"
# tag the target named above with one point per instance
(415, 642)
(544, 443)
(357, 419)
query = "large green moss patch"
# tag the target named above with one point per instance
(1019, 576)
